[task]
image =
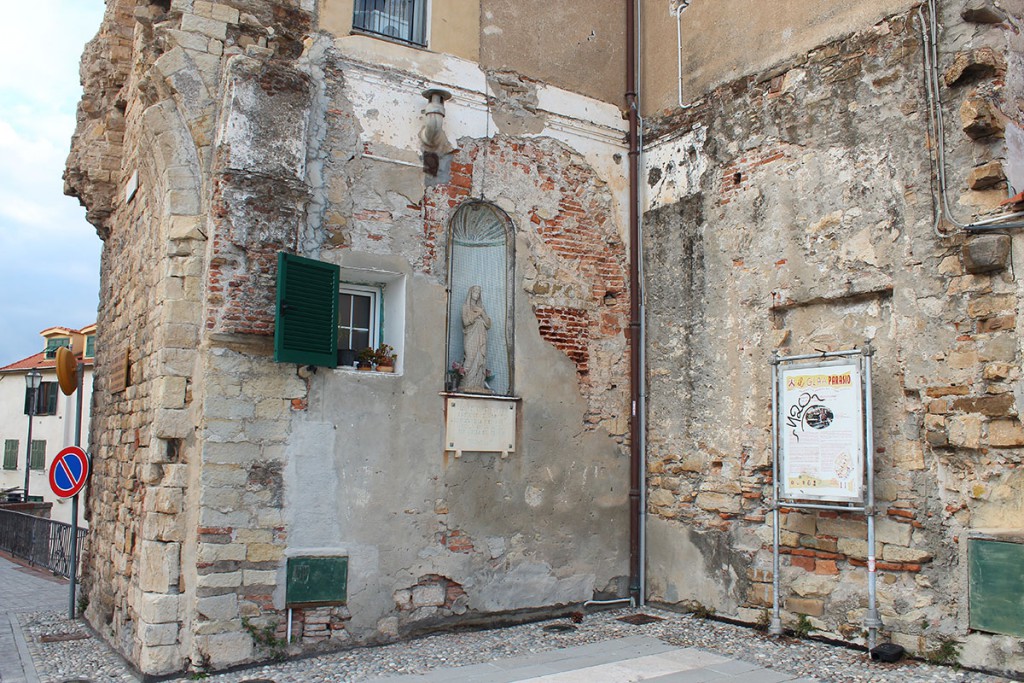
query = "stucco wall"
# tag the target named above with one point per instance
(557, 43)
(724, 41)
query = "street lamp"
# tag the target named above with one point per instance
(32, 381)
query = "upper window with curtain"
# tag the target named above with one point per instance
(403, 20)
(480, 311)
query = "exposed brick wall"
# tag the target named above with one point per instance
(569, 330)
(739, 174)
(579, 292)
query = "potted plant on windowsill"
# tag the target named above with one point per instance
(385, 358)
(366, 358)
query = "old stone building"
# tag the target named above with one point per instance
(261, 171)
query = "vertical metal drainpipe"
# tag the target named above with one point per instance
(635, 422)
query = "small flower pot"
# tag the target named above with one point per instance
(385, 368)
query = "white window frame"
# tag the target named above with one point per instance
(375, 294)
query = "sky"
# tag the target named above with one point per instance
(49, 254)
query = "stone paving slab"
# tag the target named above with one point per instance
(23, 589)
(624, 660)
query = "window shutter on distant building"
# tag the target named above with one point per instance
(38, 459)
(11, 454)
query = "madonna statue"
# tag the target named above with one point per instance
(475, 323)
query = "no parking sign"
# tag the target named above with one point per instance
(69, 471)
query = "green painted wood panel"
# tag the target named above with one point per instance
(317, 581)
(997, 586)
(306, 327)
(11, 454)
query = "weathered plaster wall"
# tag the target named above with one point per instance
(793, 211)
(251, 135)
(724, 41)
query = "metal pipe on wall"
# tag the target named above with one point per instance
(679, 48)
(635, 375)
(642, 409)
(930, 40)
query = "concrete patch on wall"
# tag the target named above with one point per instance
(693, 568)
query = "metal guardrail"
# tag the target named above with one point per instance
(42, 542)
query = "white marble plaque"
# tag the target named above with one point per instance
(480, 424)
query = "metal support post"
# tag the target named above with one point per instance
(74, 499)
(776, 624)
(871, 621)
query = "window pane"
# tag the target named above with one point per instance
(401, 19)
(345, 310)
(344, 338)
(361, 306)
(360, 339)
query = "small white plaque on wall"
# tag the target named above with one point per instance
(131, 187)
(480, 424)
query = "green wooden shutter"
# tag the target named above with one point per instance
(51, 398)
(306, 330)
(90, 346)
(11, 454)
(38, 459)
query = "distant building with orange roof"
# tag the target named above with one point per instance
(53, 425)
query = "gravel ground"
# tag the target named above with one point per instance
(89, 659)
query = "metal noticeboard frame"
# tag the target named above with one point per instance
(834, 373)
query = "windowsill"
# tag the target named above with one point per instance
(388, 39)
(493, 397)
(357, 371)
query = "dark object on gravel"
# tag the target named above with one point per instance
(888, 652)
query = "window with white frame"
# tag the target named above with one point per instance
(325, 311)
(403, 20)
(46, 399)
(359, 317)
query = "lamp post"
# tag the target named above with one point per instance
(32, 380)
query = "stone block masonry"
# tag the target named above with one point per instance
(807, 223)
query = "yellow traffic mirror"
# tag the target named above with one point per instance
(67, 370)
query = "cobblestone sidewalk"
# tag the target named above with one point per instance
(791, 659)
